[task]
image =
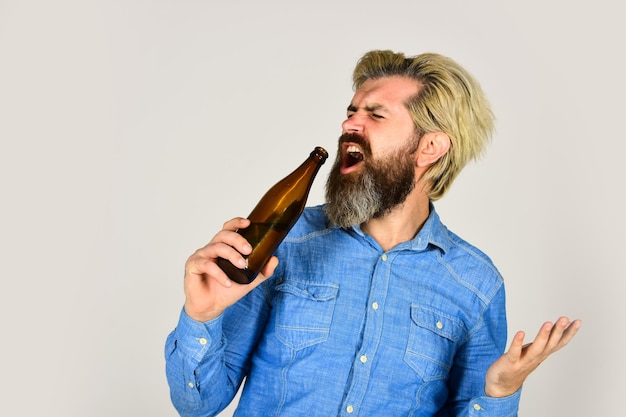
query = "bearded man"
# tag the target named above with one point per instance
(375, 308)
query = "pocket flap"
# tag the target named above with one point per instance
(440, 323)
(311, 291)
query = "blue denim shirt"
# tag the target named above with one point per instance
(344, 328)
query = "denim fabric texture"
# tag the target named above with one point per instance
(344, 328)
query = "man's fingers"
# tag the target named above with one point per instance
(268, 268)
(563, 332)
(236, 223)
(543, 336)
(200, 269)
(517, 345)
(552, 337)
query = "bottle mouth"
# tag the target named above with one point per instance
(320, 153)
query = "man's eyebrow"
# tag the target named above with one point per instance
(370, 108)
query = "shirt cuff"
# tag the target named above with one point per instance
(198, 339)
(495, 407)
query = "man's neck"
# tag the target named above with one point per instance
(401, 224)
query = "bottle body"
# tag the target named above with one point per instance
(273, 217)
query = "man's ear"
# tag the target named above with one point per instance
(432, 146)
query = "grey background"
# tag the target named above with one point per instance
(131, 130)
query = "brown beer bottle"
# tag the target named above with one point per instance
(273, 217)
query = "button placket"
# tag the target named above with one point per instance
(371, 334)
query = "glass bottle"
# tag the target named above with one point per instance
(273, 217)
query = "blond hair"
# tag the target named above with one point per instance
(449, 100)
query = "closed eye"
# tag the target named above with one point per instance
(372, 110)
(351, 110)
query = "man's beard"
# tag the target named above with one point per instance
(372, 191)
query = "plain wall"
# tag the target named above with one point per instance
(131, 130)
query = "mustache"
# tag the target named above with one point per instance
(355, 138)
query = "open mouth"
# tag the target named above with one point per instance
(352, 156)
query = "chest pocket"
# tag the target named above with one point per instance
(432, 342)
(304, 313)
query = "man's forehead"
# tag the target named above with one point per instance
(385, 92)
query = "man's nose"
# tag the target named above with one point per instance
(353, 124)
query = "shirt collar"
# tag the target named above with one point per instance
(433, 232)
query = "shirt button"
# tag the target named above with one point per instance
(202, 341)
(439, 325)
(477, 407)
(375, 305)
(363, 358)
(350, 409)
(190, 385)
(384, 257)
